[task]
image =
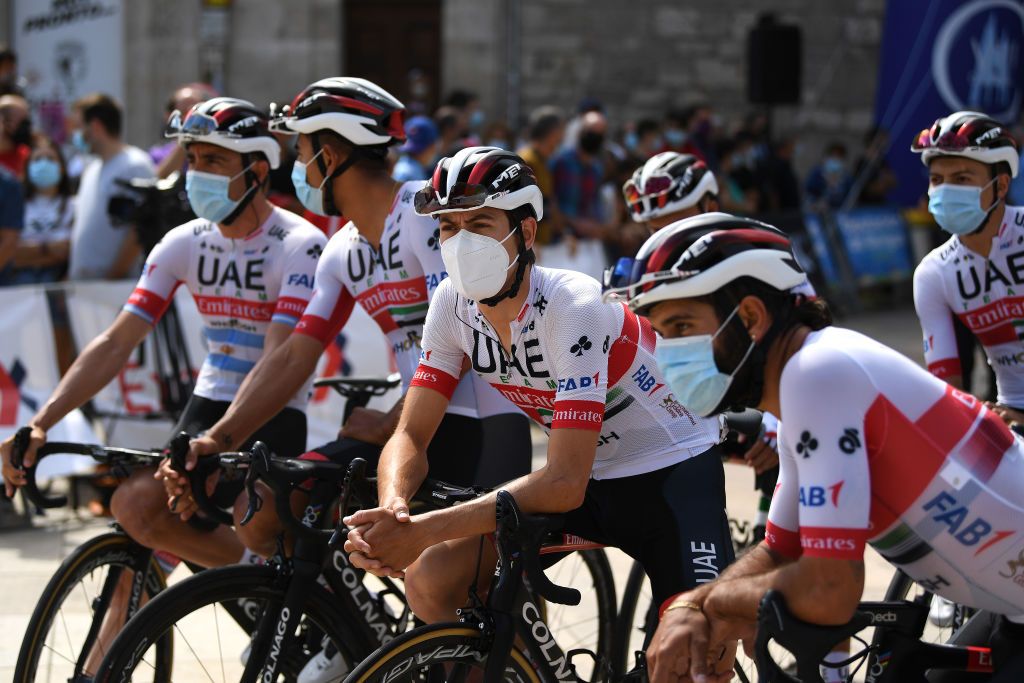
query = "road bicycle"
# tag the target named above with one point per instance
(68, 621)
(502, 638)
(302, 600)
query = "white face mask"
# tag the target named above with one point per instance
(476, 264)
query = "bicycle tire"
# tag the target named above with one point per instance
(113, 549)
(213, 587)
(437, 644)
(602, 587)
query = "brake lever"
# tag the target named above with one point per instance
(258, 463)
(356, 472)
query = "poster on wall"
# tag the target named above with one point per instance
(28, 374)
(67, 49)
(940, 57)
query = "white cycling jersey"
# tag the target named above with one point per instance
(574, 363)
(393, 284)
(239, 285)
(875, 449)
(954, 281)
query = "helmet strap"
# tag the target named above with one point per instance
(330, 206)
(254, 185)
(517, 281)
(988, 214)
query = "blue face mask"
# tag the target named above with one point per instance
(44, 173)
(833, 166)
(688, 364)
(957, 208)
(675, 136)
(79, 143)
(476, 119)
(311, 197)
(208, 194)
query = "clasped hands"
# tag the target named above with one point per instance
(384, 540)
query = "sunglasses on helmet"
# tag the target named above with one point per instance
(654, 186)
(462, 196)
(195, 124)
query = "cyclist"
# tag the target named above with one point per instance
(584, 371)
(974, 276)
(717, 288)
(669, 187)
(388, 260)
(249, 266)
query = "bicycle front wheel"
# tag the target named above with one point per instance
(212, 616)
(68, 620)
(440, 652)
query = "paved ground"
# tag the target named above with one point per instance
(29, 557)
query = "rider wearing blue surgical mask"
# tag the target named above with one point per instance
(971, 160)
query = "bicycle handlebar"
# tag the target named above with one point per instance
(97, 452)
(528, 532)
(809, 643)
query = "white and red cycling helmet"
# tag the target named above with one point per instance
(227, 122)
(700, 255)
(666, 183)
(971, 135)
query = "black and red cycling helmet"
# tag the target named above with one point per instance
(700, 255)
(476, 177)
(227, 122)
(969, 134)
(362, 113)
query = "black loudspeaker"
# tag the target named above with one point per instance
(774, 62)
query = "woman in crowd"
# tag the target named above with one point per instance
(42, 254)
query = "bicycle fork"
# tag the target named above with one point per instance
(278, 624)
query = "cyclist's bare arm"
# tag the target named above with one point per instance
(94, 368)
(818, 590)
(264, 392)
(177, 484)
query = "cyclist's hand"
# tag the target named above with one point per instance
(15, 477)
(359, 550)
(1008, 414)
(197, 448)
(680, 635)
(761, 456)
(369, 425)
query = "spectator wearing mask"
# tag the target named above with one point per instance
(169, 156)
(645, 140)
(545, 132)
(419, 151)
(101, 249)
(579, 173)
(451, 127)
(829, 182)
(738, 194)
(12, 215)
(42, 252)
(677, 134)
(15, 134)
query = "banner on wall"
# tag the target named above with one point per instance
(67, 49)
(360, 350)
(28, 373)
(943, 56)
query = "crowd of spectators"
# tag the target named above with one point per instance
(56, 220)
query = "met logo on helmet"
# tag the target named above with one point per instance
(244, 123)
(508, 174)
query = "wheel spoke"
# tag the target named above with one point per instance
(194, 653)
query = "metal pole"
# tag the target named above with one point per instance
(513, 56)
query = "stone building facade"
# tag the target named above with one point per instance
(639, 57)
